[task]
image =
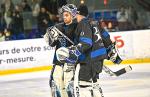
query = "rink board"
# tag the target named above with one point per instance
(35, 55)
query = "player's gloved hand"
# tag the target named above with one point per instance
(51, 35)
(112, 53)
(74, 50)
(67, 55)
(52, 32)
(113, 56)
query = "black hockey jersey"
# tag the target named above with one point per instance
(83, 40)
(89, 42)
(101, 41)
(67, 30)
(88, 39)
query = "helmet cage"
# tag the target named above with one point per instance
(69, 8)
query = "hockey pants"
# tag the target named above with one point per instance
(88, 89)
(84, 88)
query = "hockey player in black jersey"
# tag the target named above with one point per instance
(90, 66)
(102, 48)
(62, 72)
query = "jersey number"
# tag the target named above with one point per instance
(97, 33)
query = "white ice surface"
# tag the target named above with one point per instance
(135, 83)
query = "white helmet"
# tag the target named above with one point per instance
(69, 8)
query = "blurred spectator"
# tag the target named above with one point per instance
(1, 22)
(103, 24)
(53, 5)
(2, 36)
(122, 18)
(133, 17)
(46, 4)
(34, 34)
(35, 5)
(7, 8)
(43, 21)
(8, 35)
(110, 26)
(17, 23)
(35, 8)
(25, 6)
(20, 36)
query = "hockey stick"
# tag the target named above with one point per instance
(117, 73)
(76, 83)
(63, 35)
(105, 68)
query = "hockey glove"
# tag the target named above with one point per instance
(113, 54)
(67, 55)
(51, 35)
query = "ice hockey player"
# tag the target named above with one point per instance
(62, 72)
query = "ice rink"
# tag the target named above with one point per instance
(135, 83)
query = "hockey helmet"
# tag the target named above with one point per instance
(83, 10)
(69, 8)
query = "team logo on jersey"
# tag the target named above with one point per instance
(97, 33)
(62, 41)
(82, 33)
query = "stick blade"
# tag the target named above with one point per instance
(123, 70)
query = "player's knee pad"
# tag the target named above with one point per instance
(58, 77)
(68, 71)
(58, 73)
(54, 90)
(85, 89)
(97, 91)
(85, 92)
(70, 89)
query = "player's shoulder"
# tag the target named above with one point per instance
(84, 21)
(60, 26)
